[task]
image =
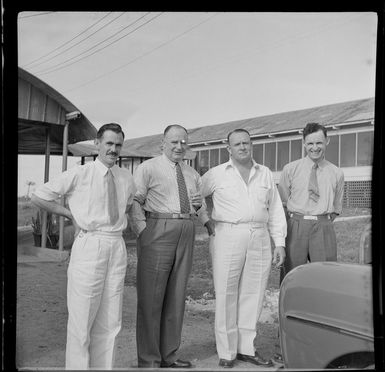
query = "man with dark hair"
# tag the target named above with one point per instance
(311, 190)
(98, 194)
(247, 210)
(168, 196)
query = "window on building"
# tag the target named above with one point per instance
(283, 154)
(365, 148)
(214, 157)
(203, 163)
(270, 155)
(224, 155)
(258, 153)
(331, 152)
(296, 150)
(348, 150)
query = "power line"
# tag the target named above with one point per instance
(67, 42)
(143, 55)
(255, 51)
(59, 65)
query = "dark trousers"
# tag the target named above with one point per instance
(308, 241)
(165, 252)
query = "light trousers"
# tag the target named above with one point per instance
(94, 298)
(241, 257)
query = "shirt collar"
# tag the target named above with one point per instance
(230, 163)
(170, 162)
(103, 169)
(321, 164)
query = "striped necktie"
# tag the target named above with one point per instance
(313, 184)
(183, 196)
(112, 199)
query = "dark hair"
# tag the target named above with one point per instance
(173, 126)
(110, 126)
(314, 127)
(238, 130)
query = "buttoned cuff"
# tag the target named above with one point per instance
(279, 242)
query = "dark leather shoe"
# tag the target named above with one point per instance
(177, 364)
(226, 363)
(255, 359)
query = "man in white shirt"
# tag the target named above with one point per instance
(247, 210)
(98, 194)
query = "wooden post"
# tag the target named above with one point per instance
(46, 178)
(64, 167)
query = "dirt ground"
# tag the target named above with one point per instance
(42, 318)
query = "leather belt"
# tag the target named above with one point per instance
(181, 216)
(299, 216)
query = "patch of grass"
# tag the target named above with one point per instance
(348, 238)
(347, 212)
(25, 211)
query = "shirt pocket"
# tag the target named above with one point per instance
(262, 194)
(227, 190)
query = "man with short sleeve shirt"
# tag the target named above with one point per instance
(168, 196)
(247, 211)
(311, 190)
(98, 195)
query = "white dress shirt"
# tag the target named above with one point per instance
(85, 187)
(237, 202)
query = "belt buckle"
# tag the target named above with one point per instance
(310, 217)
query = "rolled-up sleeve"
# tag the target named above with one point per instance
(202, 211)
(136, 214)
(277, 221)
(58, 186)
(284, 186)
(207, 184)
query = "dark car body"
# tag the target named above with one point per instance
(326, 316)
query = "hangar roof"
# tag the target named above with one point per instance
(338, 114)
(40, 107)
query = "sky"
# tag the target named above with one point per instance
(146, 70)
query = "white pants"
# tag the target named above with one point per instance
(94, 298)
(241, 256)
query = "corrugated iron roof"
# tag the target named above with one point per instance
(40, 107)
(338, 113)
(88, 148)
(150, 145)
(286, 121)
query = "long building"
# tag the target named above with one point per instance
(277, 140)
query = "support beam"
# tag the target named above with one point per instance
(46, 178)
(64, 168)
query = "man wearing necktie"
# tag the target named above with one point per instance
(162, 217)
(98, 195)
(311, 190)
